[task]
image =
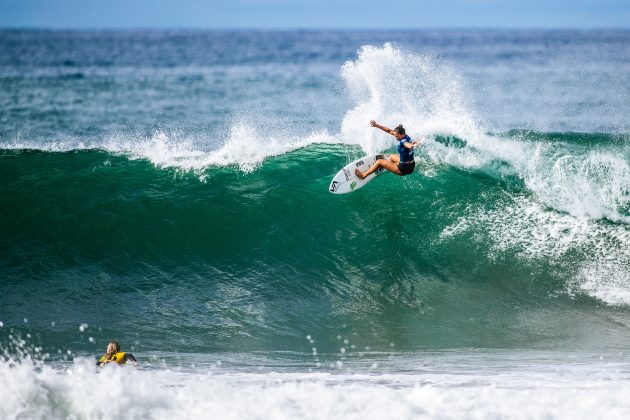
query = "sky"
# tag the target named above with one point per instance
(314, 14)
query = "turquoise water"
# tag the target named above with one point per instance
(256, 261)
(169, 190)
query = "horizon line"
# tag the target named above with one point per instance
(314, 29)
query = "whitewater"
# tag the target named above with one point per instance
(178, 202)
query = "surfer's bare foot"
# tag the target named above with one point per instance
(359, 174)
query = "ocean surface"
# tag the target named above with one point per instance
(169, 189)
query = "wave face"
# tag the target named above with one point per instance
(261, 259)
(179, 201)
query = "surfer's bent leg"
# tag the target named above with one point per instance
(385, 163)
(374, 167)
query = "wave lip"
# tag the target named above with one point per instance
(244, 147)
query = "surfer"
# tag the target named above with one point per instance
(401, 164)
(114, 355)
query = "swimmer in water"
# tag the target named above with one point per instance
(115, 356)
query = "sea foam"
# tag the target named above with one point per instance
(80, 390)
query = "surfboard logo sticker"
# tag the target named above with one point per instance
(354, 184)
(359, 163)
(334, 186)
(346, 173)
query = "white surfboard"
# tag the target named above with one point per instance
(346, 181)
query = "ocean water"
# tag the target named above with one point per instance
(168, 189)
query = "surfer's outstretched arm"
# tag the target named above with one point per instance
(382, 127)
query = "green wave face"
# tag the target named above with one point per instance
(222, 260)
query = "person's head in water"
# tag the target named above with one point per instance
(115, 356)
(400, 132)
(113, 347)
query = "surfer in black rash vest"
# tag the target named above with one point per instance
(401, 164)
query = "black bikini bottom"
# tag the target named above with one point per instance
(407, 168)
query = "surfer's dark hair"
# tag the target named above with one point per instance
(400, 129)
